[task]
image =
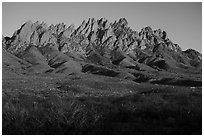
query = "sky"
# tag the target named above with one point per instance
(182, 21)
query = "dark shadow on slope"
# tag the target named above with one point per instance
(99, 70)
(116, 62)
(135, 68)
(160, 64)
(172, 81)
(141, 77)
(57, 64)
(48, 71)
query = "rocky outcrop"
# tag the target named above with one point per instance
(195, 57)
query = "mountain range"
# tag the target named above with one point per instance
(100, 47)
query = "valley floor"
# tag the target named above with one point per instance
(87, 104)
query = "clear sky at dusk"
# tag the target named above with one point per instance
(181, 21)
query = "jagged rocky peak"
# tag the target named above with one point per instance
(193, 54)
(59, 28)
(29, 33)
(68, 31)
(25, 32)
(28, 28)
(122, 22)
(148, 36)
(92, 26)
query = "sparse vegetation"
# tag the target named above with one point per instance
(150, 111)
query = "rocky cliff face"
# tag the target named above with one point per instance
(100, 42)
